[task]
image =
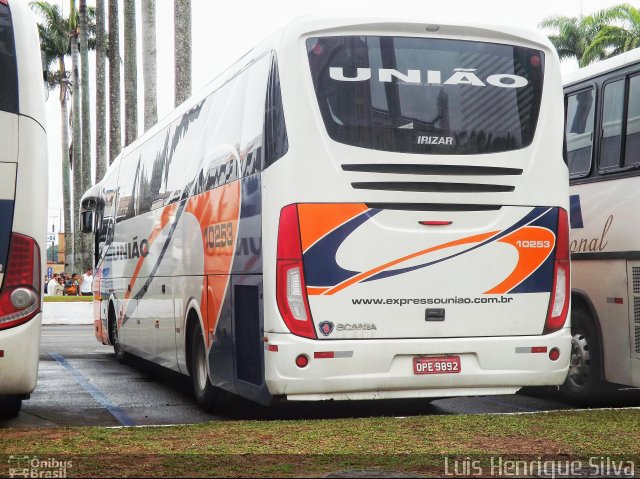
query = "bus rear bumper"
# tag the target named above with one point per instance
(20, 347)
(384, 369)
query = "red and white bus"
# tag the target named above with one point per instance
(357, 209)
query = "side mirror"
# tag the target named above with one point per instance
(87, 222)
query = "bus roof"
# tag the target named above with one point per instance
(601, 67)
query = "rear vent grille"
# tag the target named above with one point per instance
(432, 207)
(635, 326)
(636, 279)
(444, 170)
(431, 187)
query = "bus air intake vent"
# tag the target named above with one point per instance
(636, 279)
(635, 347)
(435, 170)
(431, 187)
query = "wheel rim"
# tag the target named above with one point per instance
(201, 367)
(580, 362)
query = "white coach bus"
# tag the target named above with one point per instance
(357, 209)
(603, 153)
(23, 203)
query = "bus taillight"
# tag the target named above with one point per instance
(560, 294)
(20, 295)
(291, 291)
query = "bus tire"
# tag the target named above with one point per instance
(584, 385)
(10, 407)
(121, 355)
(205, 393)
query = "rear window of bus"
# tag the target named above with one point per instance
(421, 95)
(8, 68)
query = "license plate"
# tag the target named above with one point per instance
(436, 365)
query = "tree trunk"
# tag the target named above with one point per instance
(77, 146)
(101, 109)
(115, 132)
(149, 63)
(130, 74)
(66, 170)
(182, 39)
(87, 240)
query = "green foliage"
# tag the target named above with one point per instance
(55, 31)
(594, 37)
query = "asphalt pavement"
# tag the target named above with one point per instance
(80, 384)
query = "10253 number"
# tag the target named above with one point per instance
(533, 244)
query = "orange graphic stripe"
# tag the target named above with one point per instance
(362, 276)
(219, 207)
(315, 291)
(534, 245)
(316, 220)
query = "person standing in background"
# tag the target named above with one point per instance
(52, 284)
(87, 282)
(57, 288)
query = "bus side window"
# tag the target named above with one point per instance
(579, 132)
(219, 165)
(276, 142)
(253, 117)
(632, 148)
(611, 135)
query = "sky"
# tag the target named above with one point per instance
(223, 31)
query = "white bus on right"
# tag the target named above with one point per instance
(602, 105)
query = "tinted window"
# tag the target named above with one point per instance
(579, 132)
(612, 109)
(8, 68)
(253, 117)
(421, 95)
(632, 148)
(276, 143)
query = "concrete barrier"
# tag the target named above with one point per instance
(67, 313)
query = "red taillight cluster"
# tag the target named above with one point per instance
(561, 293)
(20, 294)
(291, 290)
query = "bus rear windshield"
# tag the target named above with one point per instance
(8, 68)
(421, 95)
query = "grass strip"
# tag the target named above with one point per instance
(317, 447)
(68, 299)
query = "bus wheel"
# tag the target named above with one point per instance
(10, 407)
(121, 356)
(584, 384)
(206, 394)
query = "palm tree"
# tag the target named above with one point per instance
(115, 135)
(101, 109)
(83, 23)
(182, 41)
(54, 42)
(574, 35)
(149, 63)
(621, 34)
(130, 73)
(76, 138)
